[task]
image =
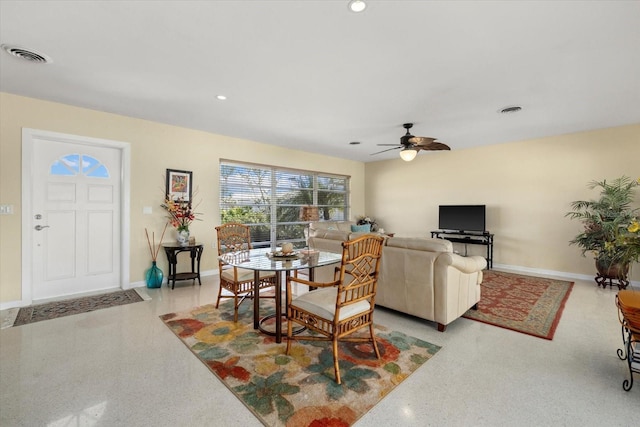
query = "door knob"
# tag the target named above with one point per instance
(40, 227)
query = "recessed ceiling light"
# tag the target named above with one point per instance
(512, 109)
(354, 143)
(357, 6)
(27, 54)
(221, 97)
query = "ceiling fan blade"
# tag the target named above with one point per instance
(417, 143)
(383, 151)
(421, 140)
(434, 146)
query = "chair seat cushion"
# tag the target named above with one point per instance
(244, 274)
(322, 302)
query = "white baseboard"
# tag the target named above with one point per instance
(541, 272)
(11, 304)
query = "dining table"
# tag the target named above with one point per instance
(268, 259)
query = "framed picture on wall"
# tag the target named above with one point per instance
(179, 184)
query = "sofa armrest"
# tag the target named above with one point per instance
(467, 265)
(456, 286)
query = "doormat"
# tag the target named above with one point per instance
(52, 310)
(298, 389)
(530, 305)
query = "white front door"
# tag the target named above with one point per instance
(75, 215)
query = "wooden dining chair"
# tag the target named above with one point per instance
(338, 309)
(235, 282)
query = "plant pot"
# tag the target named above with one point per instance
(612, 274)
(612, 271)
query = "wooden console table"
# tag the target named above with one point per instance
(172, 250)
(484, 239)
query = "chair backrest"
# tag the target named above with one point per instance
(358, 274)
(233, 237)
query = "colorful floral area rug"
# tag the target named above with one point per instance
(299, 389)
(52, 310)
(531, 305)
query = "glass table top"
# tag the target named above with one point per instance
(265, 260)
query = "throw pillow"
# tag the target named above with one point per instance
(364, 228)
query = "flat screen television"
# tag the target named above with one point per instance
(467, 218)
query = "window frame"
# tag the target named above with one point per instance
(274, 199)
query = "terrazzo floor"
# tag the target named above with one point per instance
(122, 367)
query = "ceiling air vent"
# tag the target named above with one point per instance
(512, 109)
(27, 54)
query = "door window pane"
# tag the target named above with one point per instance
(78, 164)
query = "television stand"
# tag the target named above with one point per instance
(484, 239)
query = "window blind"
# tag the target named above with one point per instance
(269, 199)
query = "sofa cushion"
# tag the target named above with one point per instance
(331, 225)
(330, 234)
(332, 230)
(421, 244)
(364, 228)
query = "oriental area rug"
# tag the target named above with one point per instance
(530, 305)
(52, 310)
(299, 389)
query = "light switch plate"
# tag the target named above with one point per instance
(6, 209)
(147, 210)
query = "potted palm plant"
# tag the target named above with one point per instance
(611, 230)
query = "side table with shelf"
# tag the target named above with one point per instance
(484, 239)
(195, 251)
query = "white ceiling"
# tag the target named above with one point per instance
(314, 76)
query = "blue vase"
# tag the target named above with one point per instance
(154, 276)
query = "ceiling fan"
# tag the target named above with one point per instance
(412, 144)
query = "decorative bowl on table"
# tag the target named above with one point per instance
(282, 255)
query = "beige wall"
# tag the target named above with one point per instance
(527, 187)
(154, 147)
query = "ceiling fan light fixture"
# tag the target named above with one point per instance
(357, 6)
(408, 154)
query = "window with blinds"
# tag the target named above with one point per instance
(269, 199)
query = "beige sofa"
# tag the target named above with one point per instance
(419, 276)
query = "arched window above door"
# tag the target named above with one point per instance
(79, 164)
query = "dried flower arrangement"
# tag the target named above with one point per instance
(154, 250)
